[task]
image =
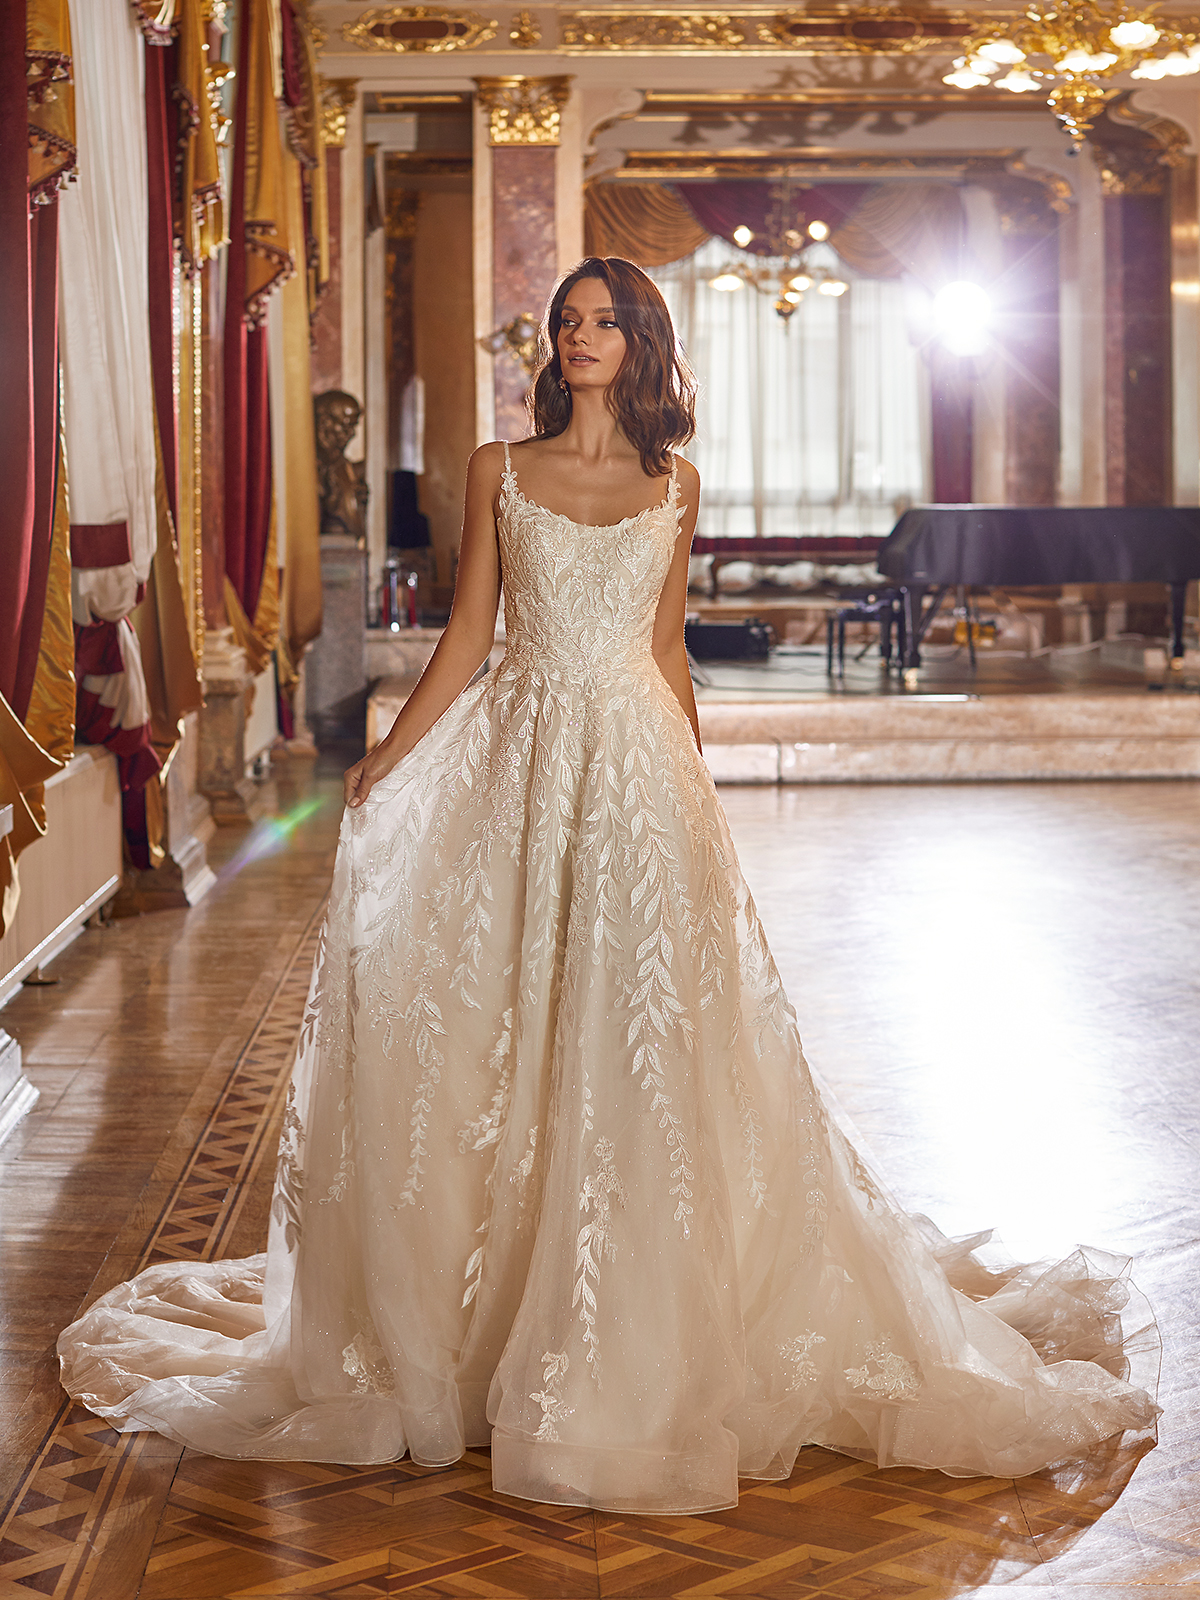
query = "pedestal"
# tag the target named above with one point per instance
(336, 664)
(228, 685)
(185, 876)
(17, 1094)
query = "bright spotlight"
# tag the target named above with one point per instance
(742, 235)
(962, 314)
(818, 230)
(726, 282)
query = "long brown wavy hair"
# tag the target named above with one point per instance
(653, 396)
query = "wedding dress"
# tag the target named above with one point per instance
(553, 1173)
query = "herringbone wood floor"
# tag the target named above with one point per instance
(97, 1516)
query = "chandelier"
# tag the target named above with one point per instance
(1074, 49)
(801, 259)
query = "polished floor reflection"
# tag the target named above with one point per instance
(996, 982)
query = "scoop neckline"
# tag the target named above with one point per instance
(515, 489)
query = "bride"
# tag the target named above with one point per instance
(553, 1173)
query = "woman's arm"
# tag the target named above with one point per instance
(667, 644)
(468, 635)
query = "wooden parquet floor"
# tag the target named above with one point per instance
(94, 1515)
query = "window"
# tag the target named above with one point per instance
(809, 427)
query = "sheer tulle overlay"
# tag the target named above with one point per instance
(554, 1174)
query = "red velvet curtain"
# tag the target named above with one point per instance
(28, 380)
(247, 408)
(20, 612)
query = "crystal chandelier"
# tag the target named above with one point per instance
(1074, 49)
(797, 265)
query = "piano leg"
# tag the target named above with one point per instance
(911, 600)
(1178, 601)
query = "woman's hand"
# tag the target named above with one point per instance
(358, 780)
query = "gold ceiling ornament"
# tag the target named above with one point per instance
(337, 99)
(420, 29)
(524, 31)
(652, 30)
(1071, 51)
(523, 110)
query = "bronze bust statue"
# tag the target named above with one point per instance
(342, 484)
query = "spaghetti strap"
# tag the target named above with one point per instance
(507, 459)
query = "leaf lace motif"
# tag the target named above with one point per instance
(554, 1408)
(594, 1243)
(798, 1352)
(287, 1204)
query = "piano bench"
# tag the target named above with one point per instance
(882, 606)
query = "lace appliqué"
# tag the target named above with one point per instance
(483, 1131)
(594, 1244)
(554, 1408)
(797, 1351)
(886, 1375)
(288, 1202)
(363, 1360)
(526, 1178)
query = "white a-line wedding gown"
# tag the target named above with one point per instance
(553, 1172)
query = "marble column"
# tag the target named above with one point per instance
(1135, 181)
(1031, 337)
(519, 127)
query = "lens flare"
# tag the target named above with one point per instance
(268, 837)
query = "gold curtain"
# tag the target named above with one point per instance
(270, 254)
(31, 754)
(51, 96)
(304, 125)
(202, 220)
(301, 597)
(644, 222)
(899, 227)
(172, 676)
(903, 227)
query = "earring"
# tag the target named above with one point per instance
(562, 384)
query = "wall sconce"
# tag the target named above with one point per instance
(519, 338)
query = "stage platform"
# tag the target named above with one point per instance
(1069, 713)
(1065, 714)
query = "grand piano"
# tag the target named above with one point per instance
(939, 548)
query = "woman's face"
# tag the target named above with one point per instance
(591, 347)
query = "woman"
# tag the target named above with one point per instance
(554, 1175)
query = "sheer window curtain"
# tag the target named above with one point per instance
(813, 427)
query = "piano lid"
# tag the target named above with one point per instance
(1019, 546)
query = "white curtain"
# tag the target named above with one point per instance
(815, 426)
(108, 397)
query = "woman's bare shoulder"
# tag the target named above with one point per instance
(689, 478)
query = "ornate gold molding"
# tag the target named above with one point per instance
(650, 30)
(818, 30)
(1136, 150)
(868, 30)
(806, 165)
(337, 99)
(523, 110)
(525, 31)
(419, 29)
